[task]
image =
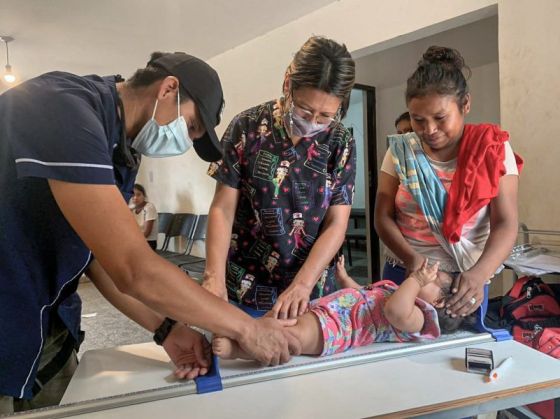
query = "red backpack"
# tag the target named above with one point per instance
(529, 298)
(532, 308)
(548, 341)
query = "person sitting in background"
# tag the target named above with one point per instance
(145, 214)
(358, 316)
(402, 123)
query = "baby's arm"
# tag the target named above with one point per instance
(400, 309)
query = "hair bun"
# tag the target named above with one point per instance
(443, 55)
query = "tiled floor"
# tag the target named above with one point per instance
(104, 325)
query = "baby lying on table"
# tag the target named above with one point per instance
(357, 316)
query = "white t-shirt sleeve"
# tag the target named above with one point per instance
(388, 166)
(509, 162)
(151, 212)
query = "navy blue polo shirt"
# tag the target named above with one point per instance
(55, 126)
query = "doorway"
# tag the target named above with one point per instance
(362, 243)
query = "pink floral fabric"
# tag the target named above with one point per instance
(352, 318)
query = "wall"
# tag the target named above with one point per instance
(109, 37)
(252, 73)
(530, 100)
(388, 70)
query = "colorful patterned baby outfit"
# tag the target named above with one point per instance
(354, 317)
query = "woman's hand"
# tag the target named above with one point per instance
(215, 286)
(292, 302)
(468, 290)
(414, 264)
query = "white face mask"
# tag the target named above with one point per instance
(168, 140)
(300, 127)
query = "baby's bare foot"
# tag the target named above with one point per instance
(226, 348)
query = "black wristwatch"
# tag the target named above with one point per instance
(163, 330)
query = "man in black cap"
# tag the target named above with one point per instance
(70, 148)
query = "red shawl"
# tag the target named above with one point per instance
(480, 165)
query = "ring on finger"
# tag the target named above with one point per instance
(472, 301)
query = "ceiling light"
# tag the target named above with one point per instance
(9, 76)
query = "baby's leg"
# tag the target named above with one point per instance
(344, 280)
(307, 331)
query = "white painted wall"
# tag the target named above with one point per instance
(252, 73)
(389, 69)
(530, 103)
(108, 36)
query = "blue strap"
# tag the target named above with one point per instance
(212, 381)
(498, 334)
(253, 312)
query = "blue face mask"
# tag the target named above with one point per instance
(156, 140)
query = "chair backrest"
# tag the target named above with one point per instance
(199, 232)
(164, 222)
(182, 225)
(201, 226)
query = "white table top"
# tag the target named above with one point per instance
(419, 384)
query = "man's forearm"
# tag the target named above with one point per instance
(188, 303)
(129, 306)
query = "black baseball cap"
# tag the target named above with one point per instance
(203, 85)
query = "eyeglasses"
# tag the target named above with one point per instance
(310, 116)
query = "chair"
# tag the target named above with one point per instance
(199, 234)
(354, 234)
(182, 225)
(164, 223)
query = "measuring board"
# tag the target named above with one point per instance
(120, 367)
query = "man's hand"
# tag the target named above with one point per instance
(292, 302)
(189, 351)
(267, 342)
(468, 293)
